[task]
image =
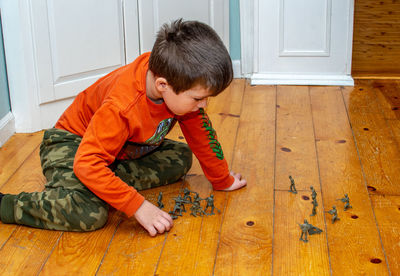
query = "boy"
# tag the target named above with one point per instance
(109, 143)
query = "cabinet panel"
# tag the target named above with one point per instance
(297, 42)
(154, 13)
(76, 43)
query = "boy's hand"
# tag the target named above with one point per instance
(238, 183)
(153, 219)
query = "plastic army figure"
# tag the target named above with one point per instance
(186, 195)
(196, 209)
(314, 209)
(159, 201)
(305, 227)
(210, 203)
(179, 207)
(308, 229)
(346, 201)
(334, 214)
(292, 185)
(313, 193)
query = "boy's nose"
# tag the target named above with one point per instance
(202, 103)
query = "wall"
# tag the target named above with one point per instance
(4, 98)
(234, 29)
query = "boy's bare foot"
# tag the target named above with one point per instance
(238, 183)
(153, 219)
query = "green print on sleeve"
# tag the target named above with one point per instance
(212, 135)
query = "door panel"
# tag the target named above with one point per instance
(76, 43)
(154, 13)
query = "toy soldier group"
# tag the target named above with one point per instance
(347, 206)
(187, 199)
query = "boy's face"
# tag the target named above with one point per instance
(187, 101)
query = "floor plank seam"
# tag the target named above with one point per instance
(50, 253)
(273, 198)
(108, 247)
(17, 169)
(9, 237)
(366, 183)
(320, 183)
(393, 136)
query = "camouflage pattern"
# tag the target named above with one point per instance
(66, 204)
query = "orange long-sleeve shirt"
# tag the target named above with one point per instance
(115, 110)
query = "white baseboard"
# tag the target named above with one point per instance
(296, 79)
(7, 128)
(237, 72)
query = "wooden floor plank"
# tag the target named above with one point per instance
(292, 256)
(296, 156)
(388, 95)
(192, 244)
(14, 152)
(295, 142)
(355, 237)
(79, 253)
(25, 249)
(387, 212)
(27, 178)
(132, 251)
(378, 148)
(245, 246)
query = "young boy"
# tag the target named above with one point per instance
(109, 143)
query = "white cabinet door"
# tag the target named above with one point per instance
(76, 42)
(300, 42)
(154, 13)
(66, 46)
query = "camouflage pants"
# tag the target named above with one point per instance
(66, 204)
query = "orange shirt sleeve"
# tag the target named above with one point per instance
(101, 143)
(202, 139)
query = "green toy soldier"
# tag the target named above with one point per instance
(334, 214)
(179, 207)
(305, 227)
(346, 201)
(186, 195)
(313, 193)
(159, 201)
(292, 185)
(314, 209)
(308, 229)
(210, 203)
(196, 209)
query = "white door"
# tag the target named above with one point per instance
(298, 42)
(154, 13)
(76, 42)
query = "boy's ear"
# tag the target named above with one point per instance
(161, 84)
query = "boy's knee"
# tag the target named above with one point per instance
(187, 157)
(94, 219)
(90, 214)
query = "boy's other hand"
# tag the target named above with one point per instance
(238, 183)
(153, 219)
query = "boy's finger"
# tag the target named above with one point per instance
(166, 223)
(152, 231)
(160, 227)
(168, 217)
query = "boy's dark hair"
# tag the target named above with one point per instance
(189, 53)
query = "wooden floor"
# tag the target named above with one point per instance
(337, 139)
